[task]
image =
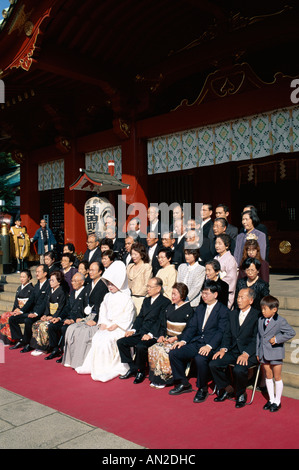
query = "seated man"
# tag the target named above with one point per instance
(79, 335)
(72, 310)
(31, 311)
(199, 340)
(144, 332)
(238, 347)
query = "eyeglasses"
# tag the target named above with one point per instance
(151, 287)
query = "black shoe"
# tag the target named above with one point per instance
(18, 345)
(201, 396)
(140, 376)
(55, 353)
(267, 406)
(127, 375)
(241, 401)
(223, 395)
(275, 407)
(59, 361)
(179, 389)
(26, 349)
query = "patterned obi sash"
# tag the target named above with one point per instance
(174, 329)
(21, 302)
(53, 308)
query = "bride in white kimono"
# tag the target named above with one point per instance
(116, 315)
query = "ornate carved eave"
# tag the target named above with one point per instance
(229, 81)
(23, 24)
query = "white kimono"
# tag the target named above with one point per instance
(103, 359)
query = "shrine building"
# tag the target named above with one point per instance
(188, 101)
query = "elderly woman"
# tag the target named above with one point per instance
(251, 266)
(229, 267)
(55, 304)
(138, 272)
(252, 250)
(192, 274)
(167, 271)
(115, 317)
(250, 220)
(172, 325)
(22, 295)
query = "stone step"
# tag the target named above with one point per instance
(10, 296)
(287, 303)
(290, 375)
(290, 392)
(291, 316)
(5, 306)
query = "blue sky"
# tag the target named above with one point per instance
(3, 4)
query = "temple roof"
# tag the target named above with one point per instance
(97, 182)
(73, 68)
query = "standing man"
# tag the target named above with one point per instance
(153, 247)
(31, 311)
(93, 252)
(45, 240)
(238, 347)
(144, 332)
(199, 340)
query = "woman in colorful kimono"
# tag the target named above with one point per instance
(22, 295)
(172, 325)
(56, 302)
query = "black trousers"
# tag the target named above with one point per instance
(56, 333)
(14, 324)
(179, 359)
(219, 366)
(141, 351)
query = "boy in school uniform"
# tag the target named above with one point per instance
(273, 332)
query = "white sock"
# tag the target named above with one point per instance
(278, 391)
(270, 389)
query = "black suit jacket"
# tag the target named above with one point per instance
(38, 299)
(94, 297)
(155, 263)
(74, 307)
(97, 256)
(238, 338)
(214, 329)
(149, 318)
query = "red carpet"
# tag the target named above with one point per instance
(150, 417)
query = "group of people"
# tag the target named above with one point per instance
(160, 302)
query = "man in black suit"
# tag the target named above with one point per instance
(125, 254)
(118, 242)
(133, 229)
(220, 226)
(153, 247)
(199, 340)
(223, 211)
(178, 256)
(144, 331)
(31, 311)
(72, 310)
(206, 215)
(238, 347)
(93, 252)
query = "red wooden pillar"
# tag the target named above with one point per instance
(29, 195)
(134, 172)
(74, 226)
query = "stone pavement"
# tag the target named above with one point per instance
(23, 422)
(26, 424)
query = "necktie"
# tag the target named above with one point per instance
(267, 321)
